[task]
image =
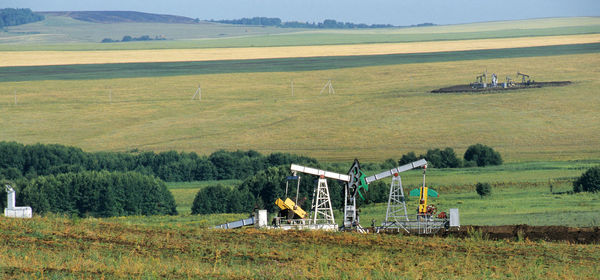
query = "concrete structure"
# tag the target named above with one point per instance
(13, 211)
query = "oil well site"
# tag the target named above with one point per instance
(186, 145)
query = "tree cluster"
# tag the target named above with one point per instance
(128, 38)
(11, 17)
(328, 23)
(475, 155)
(482, 155)
(99, 194)
(483, 189)
(30, 161)
(589, 181)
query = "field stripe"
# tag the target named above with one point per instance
(157, 69)
(39, 58)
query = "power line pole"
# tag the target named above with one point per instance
(198, 93)
(329, 87)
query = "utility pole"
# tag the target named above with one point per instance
(198, 93)
(329, 87)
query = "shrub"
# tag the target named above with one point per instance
(221, 199)
(445, 158)
(589, 181)
(378, 192)
(408, 158)
(483, 189)
(482, 155)
(388, 164)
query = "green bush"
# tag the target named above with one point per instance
(378, 192)
(589, 181)
(445, 158)
(407, 158)
(99, 194)
(482, 155)
(483, 189)
(220, 199)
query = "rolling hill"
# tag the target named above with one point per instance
(121, 17)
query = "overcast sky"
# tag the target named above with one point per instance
(397, 12)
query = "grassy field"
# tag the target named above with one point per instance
(58, 248)
(52, 34)
(376, 112)
(29, 58)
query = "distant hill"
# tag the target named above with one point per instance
(121, 17)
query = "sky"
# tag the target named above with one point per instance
(396, 12)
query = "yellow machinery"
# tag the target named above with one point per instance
(423, 200)
(289, 205)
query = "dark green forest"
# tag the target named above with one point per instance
(12, 17)
(98, 194)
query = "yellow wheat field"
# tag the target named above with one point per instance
(37, 58)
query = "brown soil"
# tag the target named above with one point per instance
(587, 235)
(468, 88)
(534, 233)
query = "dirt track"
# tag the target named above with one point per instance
(534, 233)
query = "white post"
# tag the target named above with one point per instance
(10, 193)
(15, 96)
(198, 93)
(292, 87)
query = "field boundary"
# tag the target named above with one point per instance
(161, 69)
(47, 58)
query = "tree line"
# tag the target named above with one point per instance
(475, 155)
(328, 23)
(128, 38)
(30, 161)
(12, 17)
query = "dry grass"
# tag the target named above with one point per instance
(31, 58)
(376, 113)
(58, 248)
